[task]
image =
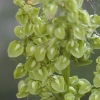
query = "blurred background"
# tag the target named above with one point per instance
(8, 85)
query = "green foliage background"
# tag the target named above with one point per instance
(8, 85)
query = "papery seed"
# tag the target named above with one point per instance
(40, 72)
(64, 59)
(40, 40)
(42, 50)
(32, 49)
(17, 46)
(33, 84)
(57, 81)
(96, 96)
(52, 50)
(33, 63)
(76, 49)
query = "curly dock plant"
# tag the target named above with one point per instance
(53, 33)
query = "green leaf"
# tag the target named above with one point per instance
(19, 72)
(15, 49)
(62, 62)
(59, 32)
(40, 53)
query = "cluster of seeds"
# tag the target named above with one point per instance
(53, 33)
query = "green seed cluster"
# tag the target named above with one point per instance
(95, 93)
(52, 33)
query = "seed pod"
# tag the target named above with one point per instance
(95, 94)
(28, 29)
(73, 17)
(40, 30)
(21, 17)
(62, 62)
(41, 74)
(95, 41)
(32, 11)
(69, 96)
(58, 84)
(40, 53)
(19, 2)
(32, 65)
(73, 80)
(19, 72)
(77, 50)
(15, 49)
(79, 32)
(98, 68)
(84, 86)
(51, 52)
(50, 11)
(18, 30)
(71, 5)
(22, 89)
(98, 60)
(30, 49)
(96, 80)
(84, 16)
(33, 87)
(59, 32)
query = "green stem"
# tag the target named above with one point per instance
(66, 75)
